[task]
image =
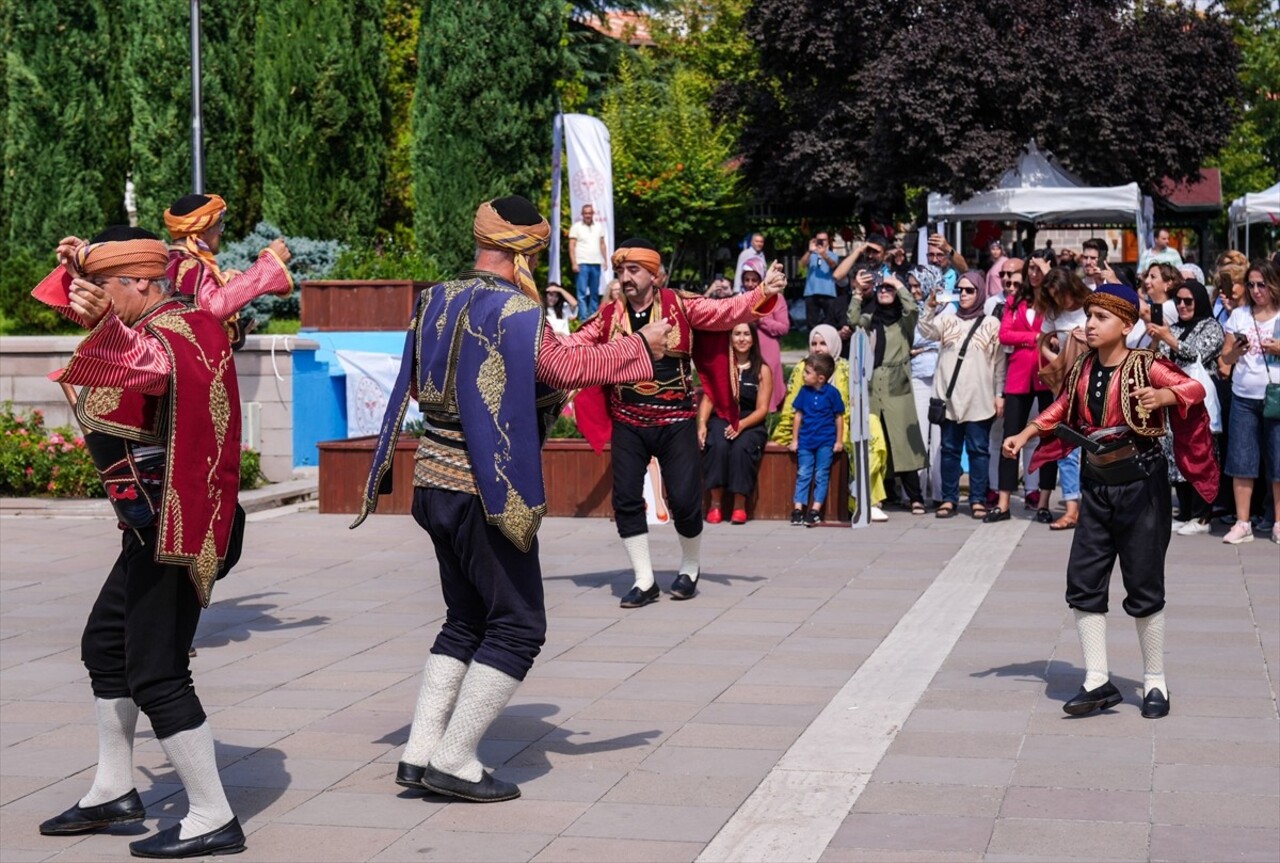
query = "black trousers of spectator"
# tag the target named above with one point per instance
(1017, 412)
(732, 464)
(137, 640)
(1193, 507)
(676, 447)
(816, 310)
(1132, 522)
(494, 609)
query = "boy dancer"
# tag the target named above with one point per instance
(816, 435)
(1114, 405)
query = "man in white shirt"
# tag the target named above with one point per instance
(754, 249)
(1161, 252)
(588, 251)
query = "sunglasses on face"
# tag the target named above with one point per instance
(884, 289)
(965, 290)
(1185, 301)
(1252, 285)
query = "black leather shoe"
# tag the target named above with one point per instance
(409, 775)
(227, 839)
(636, 598)
(996, 514)
(487, 790)
(684, 587)
(1101, 698)
(1155, 705)
(123, 810)
(1043, 516)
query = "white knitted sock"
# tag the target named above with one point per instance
(441, 679)
(117, 722)
(191, 754)
(485, 692)
(1151, 638)
(1093, 639)
(690, 556)
(638, 550)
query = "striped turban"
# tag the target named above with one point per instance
(1120, 300)
(513, 224)
(193, 214)
(123, 251)
(638, 251)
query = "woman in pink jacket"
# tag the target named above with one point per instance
(769, 330)
(1020, 332)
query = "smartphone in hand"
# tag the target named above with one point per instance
(1157, 314)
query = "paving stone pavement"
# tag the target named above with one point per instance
(640, 735)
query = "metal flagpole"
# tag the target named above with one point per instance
(197, 124)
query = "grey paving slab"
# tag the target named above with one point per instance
(638, 734)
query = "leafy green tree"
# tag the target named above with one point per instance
(672, 178)
(66, 129)
(400, 37)
(482, 114)
(158, 78)
(320, 117)
(1250, 161)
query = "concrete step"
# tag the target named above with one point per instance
(268, 497)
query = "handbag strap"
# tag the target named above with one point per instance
(964, 349)
(1266, 360)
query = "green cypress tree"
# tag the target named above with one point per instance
(483, 110)
(158, 72)
(66, 127)
(320, 118)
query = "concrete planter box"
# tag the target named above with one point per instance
(578, 480)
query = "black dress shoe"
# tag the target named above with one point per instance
(1101, 698)
(227, 839)
(409, 775)
(1043, 516)
(637, 598)
(487, 790)
(997, 514)
(1155, 705)
(125, 809)
(684, 587)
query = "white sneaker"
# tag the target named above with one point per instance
(877, 514)
(1177, 526)
(1240, 532)
(1275, 532)
(1194, 528)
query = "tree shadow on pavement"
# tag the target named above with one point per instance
(237, 618)
(254, 777)
(1062, 679)
(621, 580)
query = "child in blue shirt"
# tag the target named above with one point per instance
(816, 435)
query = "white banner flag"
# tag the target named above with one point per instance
(591, 177)
(370, 380)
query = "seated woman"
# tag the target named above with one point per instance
(970, 381)
(731, 457)
(825, 339)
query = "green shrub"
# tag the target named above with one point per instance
(311, 259)
(251, 475)
(21, 269)
(386, 260)
(565, 427)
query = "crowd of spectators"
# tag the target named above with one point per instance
(991, 346)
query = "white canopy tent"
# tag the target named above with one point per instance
(1038, 189)
(1252, 209)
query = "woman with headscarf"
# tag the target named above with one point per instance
(970, 382)
(769, 329)
(1195, 337)
(825, 339)
(889, 315)
(923, 280)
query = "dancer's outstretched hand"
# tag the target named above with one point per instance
(655, 333)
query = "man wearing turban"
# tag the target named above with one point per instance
(656, 417)
(1116, 404)
(171, 467)
(489, 374)
(195, 222)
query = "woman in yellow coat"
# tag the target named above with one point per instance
(824, 339)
